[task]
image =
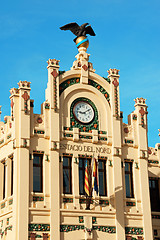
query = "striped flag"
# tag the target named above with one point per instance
(95, 177)
(86, 182)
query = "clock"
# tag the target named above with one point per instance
(83, 112)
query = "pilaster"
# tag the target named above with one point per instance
(52, 96)
(141, 111)
(117, 152)
(20, 113)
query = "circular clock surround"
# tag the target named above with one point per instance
(83, 112)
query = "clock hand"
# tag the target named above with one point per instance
(87, 110)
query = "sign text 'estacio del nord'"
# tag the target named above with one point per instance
(85, 148)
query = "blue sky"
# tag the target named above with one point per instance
(127, 38)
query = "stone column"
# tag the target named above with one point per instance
(20, 113)
(141, 111)
(52, 96)
(117, 152)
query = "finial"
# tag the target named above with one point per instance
(80, 31)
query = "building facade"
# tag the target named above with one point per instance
(43, 158)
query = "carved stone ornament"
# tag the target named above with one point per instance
(26, 97)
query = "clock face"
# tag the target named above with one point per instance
(83, 112)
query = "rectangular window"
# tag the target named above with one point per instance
(82, 164)
(154, 194)
(129, 180)
(4, 180)
(12, 176)
(102, 177)
(37, 173)
(67, 175)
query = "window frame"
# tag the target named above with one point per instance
(69, 168)
(154, 204)
(130, 173)
(4, 180)
(12, 174)
(104, 177)
(41, 171)
(83, 159)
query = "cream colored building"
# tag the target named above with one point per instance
(43, 156)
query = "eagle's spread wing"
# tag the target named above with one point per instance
(73, 27)
(89, 30)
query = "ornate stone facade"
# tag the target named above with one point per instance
(57, 134)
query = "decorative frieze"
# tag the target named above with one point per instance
(67, 84)
(67, 200)
(128, 141)
(26, 97)
(3, 205)
(142, 112)
(2, 141)
(9, 136)
(39, 227)
(5, 230)
(81, 219)
(94, 220)
(68, 128)
(11, 201)
(70, 228)
(102, 132)
(153, 161)
(39, 131)
(47, 106)
(85, 136)
(7, 221)
(130, 204)
(102, 138)
(134, 230)
(100, 88)
(134, 116)
(104, 202)
(116, 84)
(67, 135)
(38, 199)
(55, 74)
(107, 229)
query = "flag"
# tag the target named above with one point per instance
(95, 177)
(86, 181)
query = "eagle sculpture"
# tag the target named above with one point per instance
(79, 30)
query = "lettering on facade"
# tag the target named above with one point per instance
(83, 148)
